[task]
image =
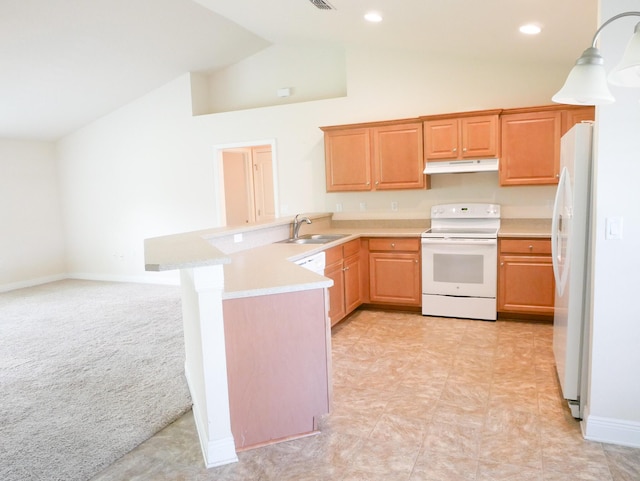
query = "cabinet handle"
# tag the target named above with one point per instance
(416, 261)
(501, 264)
(377, 182)
(557, 176)
(393, 244)
(455, 149)
(530, 248)
(464, 149)
(345, 269)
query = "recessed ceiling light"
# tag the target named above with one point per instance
(373, 17)
(531, 29)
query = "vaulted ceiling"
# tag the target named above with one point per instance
(65, 63)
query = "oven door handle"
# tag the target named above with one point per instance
(457, 241)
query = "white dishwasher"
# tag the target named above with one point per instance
(314, 262)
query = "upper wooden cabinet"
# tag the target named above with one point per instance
(390, 155)
(468, 137)
(348, 159)
(531, 142)
(381, 156)
(530, 148)
(573, 116)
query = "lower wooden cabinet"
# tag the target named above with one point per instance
(394, 271)
(525, 277)
(343, 267)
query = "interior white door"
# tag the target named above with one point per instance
(238, 187)
(263, 183)
(249, 193)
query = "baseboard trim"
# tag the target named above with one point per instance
(611, 431)
(166, 279)
(32, 282)
(169, 278)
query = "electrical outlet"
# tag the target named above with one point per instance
(363, 206)
(394, 206)
(339, 207)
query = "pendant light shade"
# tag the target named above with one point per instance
(627, 72)
(587, 82)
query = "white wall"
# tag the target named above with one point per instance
(614, 396)
(312, 72)
(31, 239)
(133, 174)
(148, 168)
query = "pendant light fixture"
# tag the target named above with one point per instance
(627, 72)
(587, 81)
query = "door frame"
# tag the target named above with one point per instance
(219, 174)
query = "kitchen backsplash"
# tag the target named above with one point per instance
(526, 202)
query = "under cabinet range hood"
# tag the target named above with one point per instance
(459, 166)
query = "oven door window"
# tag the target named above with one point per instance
(459, 270)
(464, 269)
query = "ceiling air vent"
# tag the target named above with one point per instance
(322, 4)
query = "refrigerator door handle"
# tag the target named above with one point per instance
(558, 235)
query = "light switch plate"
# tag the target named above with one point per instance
(613, 228)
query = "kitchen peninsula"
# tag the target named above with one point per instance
(255, 322)
(257, 336)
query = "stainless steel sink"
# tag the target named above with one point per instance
(314, 239)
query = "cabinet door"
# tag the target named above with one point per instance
(441, 139)
(352, 292)
(479, 136)
(263, 183)
(530, 148)
(526, 285)
(574, 116)
(336, 291)
(394, 278)
(348, 159)
(398, 152)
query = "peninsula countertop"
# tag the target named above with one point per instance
(270, 268)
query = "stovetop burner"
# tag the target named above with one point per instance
(480, 221)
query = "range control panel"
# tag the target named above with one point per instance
(470, 211)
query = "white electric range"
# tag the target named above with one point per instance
(459, 261)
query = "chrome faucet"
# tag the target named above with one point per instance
(297, 223)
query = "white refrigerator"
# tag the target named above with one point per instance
(570, 247)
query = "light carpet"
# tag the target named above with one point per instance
(88, 370)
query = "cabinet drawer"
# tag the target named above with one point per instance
(525, 246)
(394, 244)
(351, 248)
(333, 255)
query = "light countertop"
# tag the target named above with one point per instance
(525, 228)
(269, 268)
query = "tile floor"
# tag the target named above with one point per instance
(416, 398)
